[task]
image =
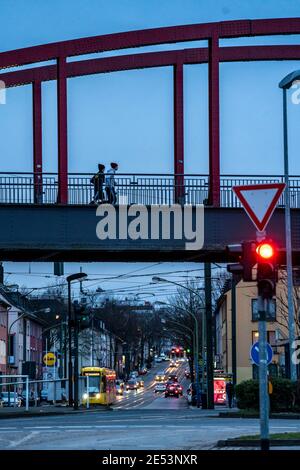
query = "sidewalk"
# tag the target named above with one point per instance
(45, 410)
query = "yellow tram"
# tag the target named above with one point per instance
(100, 386)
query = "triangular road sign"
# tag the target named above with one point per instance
(259, 201)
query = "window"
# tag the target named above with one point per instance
(271, 337)
(272, 369)
(270, 316)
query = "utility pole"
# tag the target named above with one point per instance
(209, 338)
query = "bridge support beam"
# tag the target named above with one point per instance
(214, 122)
(62, 131)
(37, 141)
(178, 110)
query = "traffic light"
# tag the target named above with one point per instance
(246, 254)
(81, 315)
(266, 253)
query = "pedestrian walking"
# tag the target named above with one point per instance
(98, 181)
(110, 184)
(229, 393)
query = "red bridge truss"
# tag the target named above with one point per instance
(213, 54)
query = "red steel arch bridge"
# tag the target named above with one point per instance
(61, 200)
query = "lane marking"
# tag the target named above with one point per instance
(24, 439)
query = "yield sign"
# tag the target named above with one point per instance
(259, 201)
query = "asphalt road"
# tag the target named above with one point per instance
(139, 420)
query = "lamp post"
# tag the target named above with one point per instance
(157, 279)
(285, 84)
(73, 322)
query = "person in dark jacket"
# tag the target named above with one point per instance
(229, 393)
(98, 182)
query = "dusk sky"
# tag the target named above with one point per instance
(127, 116)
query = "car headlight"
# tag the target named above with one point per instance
(98, 395)
(85, 396)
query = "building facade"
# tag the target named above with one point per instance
(246, 319)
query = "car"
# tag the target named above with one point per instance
(160, 376)
(132, 384)
(160, 387)
(172, 363)
(143, 371)
(140, 382)
(134, 374)
(158, 359)
(171, 390)
(11, 399)
(44, 394)
(173, 378)
(187, 374)
(180, 388)
(33, 399)
(119, 387)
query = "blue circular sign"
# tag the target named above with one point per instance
(255, 353)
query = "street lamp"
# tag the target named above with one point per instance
(157, 279)
(285, 85)
(71, 322)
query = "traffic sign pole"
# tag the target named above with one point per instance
(263, 305)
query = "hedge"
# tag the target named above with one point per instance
(285, 396)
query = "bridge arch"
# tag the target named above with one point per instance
(213, 55)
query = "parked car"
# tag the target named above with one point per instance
(34, 399)
(44, 394)
(143, 371)
(160, 387)
(158, 359)
(187, 374)
(11, 399)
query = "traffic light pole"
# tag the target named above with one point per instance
(263, 305)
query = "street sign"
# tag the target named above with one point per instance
(255, 353)
(259, 201)
(49, 359)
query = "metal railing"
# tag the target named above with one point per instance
(147, 189)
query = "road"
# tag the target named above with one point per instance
(139, 420)
(145, 398)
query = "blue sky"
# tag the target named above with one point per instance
(127, 116)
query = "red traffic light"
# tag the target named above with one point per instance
(265, 251)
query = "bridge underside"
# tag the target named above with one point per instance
(68, 233)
